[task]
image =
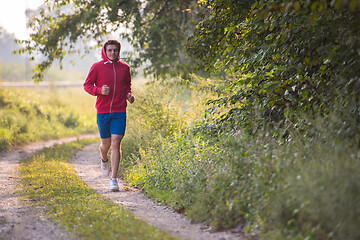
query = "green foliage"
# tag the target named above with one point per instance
(290, 57)
(219, 182)
(41, 114)
(48, 179)
(159, 35)
(156, 29)
(161, 109)
(179, 166)
(286, 189)
(318, 197)
(229, 178)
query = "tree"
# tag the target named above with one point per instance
(292, 58)
(158, 30)
(289, 57)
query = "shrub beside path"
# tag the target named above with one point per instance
(87, 166)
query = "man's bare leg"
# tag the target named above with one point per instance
(115, 153)
(104, 148)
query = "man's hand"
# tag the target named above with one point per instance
(130, 98)
(105, 90)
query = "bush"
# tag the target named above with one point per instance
(161, 109)
(286, 183)
(319, 196)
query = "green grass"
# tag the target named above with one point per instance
(28, 115)
(48, 179)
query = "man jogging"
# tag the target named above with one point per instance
(110, 81)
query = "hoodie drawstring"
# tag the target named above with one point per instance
(108, 61)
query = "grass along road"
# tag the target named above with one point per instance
(20, 219)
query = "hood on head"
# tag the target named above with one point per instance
(103, 54)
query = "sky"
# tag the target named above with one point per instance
(12, 15)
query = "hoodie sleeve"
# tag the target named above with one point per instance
(89, 85)
(127, 85)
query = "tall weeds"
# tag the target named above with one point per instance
(319, 195)
(291, 186)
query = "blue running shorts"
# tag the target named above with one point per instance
(111, 123)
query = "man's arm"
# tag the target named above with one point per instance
(89, 84)
(127, 86)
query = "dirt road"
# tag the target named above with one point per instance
(19, 221)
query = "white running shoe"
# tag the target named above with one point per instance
(105, 167)
(114, 185)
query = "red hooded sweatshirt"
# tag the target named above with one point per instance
(114, 74)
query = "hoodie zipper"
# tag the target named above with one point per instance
(112, 100)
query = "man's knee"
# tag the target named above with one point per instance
(115, 141)
(105, 144)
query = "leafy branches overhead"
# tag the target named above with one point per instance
(291, 57)
(158, 30)
(161, 33)
(294, 57)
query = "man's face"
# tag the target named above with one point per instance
(112, 52)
